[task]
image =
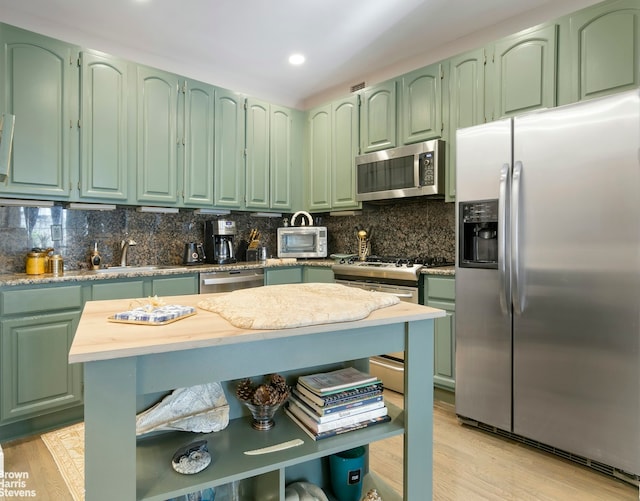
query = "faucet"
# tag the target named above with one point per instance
(124, 245)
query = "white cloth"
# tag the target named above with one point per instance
(296, 305)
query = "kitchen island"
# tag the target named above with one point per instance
(127, 366)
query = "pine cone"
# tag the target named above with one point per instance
(245, 390)
(280, 384)
(265, 395)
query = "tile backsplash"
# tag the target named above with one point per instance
(413, 227)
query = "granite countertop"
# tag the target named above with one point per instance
(13, 279)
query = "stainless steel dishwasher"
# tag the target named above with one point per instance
(227, 281)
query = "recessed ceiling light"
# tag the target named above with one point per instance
(296, 59)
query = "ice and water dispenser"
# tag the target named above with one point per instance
(478, 233)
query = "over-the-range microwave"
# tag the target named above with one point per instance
(407, 171)
(302, 241)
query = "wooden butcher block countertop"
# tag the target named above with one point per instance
(97, 338)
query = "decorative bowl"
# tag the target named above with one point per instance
(262, 415)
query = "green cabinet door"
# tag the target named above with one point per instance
(605, 50)
(319, 158)
(378, 117)
(39, 85)
(281, 155)
(344, 148)
(229, 149)
(466, 104)
(317, 275)
(421, 105)
(523, 73)
(157, 157)
(440, 293)
(198, 143)
(104, 133)
(175, 286)
(286, 275)
(36, 377)
(257, 173)
(269, 156)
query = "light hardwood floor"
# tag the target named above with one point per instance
(469, 465)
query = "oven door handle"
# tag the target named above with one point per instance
(408, 295)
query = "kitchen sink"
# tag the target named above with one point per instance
(134, 269)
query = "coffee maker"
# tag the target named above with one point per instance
(218, 241)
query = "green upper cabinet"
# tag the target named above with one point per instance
(229, 149)
(378, 117)
(332, 147)
(39, 85)
(270, 143)
(523, 74)
(600, 51)
(157, 136)
(104, 131)
(344, 148)
(285, 151)
(198, 144)
(421, 105)
(257, 175)
(466, 104)
(319, 158)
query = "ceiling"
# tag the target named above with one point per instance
(244, 45)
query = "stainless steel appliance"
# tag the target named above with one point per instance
(393, 275)
(406, 171)
(193, 254)
(219, 238)
(302, 241)
(548, 334)
(230, 280)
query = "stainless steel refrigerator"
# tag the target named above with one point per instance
(548, 278)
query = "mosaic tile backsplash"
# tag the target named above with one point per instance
(414, 227)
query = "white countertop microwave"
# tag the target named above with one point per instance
(302, 241)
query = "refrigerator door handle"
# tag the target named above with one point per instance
(518, 277)
(503, 225)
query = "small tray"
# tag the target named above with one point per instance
(148, 322)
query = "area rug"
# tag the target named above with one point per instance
(66, 445)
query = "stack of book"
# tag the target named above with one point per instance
(331, 403)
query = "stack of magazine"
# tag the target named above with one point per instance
(331, 403)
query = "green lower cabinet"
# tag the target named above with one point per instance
(317, 275)
(285, 275)
(297, 275)
(36, 378)
(175, 286)
(39, 390)
(439, 292)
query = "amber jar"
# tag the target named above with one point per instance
(36, 263)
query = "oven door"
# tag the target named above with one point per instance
(389, 367)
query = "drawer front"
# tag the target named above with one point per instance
(442, 288)
(36, 300)
(118, 290)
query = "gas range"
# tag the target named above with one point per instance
(386, 269)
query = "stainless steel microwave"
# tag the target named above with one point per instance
(407, 171)
(302, 241)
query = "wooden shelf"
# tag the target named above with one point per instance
(158, 481)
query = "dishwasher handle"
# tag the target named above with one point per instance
(232, 279)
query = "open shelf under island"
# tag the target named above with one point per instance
(128, 367)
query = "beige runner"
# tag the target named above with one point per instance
(66, 445)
